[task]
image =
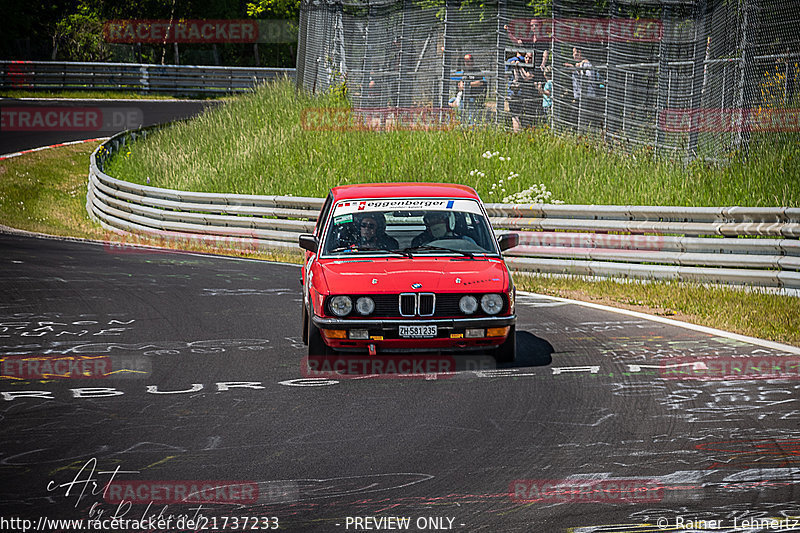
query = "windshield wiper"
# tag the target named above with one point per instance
(410, 249)
(357, 248)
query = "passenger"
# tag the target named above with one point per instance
(372, 234)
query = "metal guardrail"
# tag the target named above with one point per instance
(734, 245)
(59, 75)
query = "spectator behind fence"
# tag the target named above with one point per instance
(541, 47)
(546, 90)
(582, 111)
(458, 99)
(372, 104)
(474, 91)
(515, 101)
(532, 105)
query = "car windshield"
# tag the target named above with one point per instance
(409, 227)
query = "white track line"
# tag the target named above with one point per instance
(686, 325)
(17, 154)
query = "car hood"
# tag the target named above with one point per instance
(393, 275)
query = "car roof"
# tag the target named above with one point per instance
(403, 190)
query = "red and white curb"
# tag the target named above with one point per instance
(17, 154)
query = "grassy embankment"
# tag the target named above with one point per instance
(45, 192)
(256, 145)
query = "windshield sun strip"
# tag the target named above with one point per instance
(401, 252)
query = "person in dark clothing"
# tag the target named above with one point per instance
(372, 233)
(515, 101)
(474, 90)
(585, 104)
(528, 83)
(437, 227)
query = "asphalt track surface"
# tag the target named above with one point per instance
(213, 391)
(55, 121)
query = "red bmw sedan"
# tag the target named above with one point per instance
(407, 267)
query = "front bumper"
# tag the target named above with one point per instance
(384, 333)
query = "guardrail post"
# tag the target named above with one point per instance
(145, 79)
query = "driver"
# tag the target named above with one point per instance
(436, 227)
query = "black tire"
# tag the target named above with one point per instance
(305, 325)
(316, 345)
(507, 352)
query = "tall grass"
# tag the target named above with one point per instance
(255, 144)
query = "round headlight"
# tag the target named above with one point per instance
(365, 305)
(492, 303)
(468, 304)
(341, 305)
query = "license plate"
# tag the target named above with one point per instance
(418, 332)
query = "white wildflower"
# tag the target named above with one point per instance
(535, 194)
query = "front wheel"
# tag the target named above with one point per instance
(305, 325)
(507, 352)
(316, 345)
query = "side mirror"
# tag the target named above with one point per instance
(508, 240)
(309, 242)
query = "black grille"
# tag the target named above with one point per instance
(427, 303)
(447, 305)
(408, 303)
(442, 305)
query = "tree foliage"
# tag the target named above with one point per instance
(274, 9)
(71, 30)
(79, 37)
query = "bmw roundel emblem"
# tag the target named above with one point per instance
(416, 285)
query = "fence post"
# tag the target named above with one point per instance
(398, 102)
(746, 75)
(698, 72)
(145, 79)
(302, 46)
(663, 77)
(611, 70)
(500, 60)
(446, 55)
(557, 73)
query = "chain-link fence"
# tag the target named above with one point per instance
(685, 79)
